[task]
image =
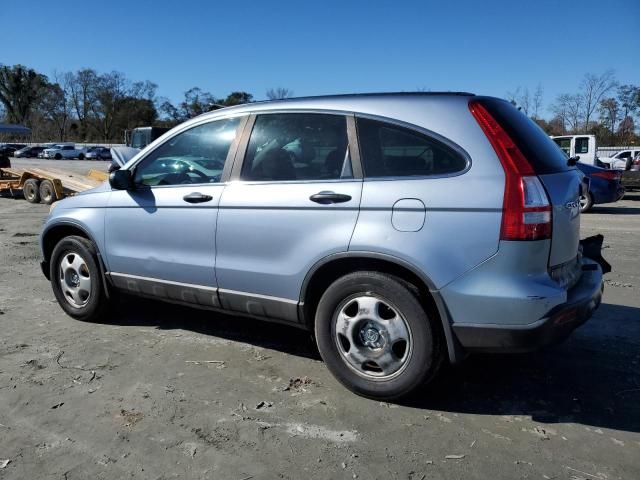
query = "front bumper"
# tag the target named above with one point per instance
(582, 300)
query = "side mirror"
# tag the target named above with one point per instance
(121, 180)
(573, 160)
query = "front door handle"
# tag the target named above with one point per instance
(327, 197)
(197, 197)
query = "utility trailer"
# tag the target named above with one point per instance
(39, 185)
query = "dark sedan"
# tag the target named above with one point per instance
(604, 186)
(8, 149)
(28, 152)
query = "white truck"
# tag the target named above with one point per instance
(63, 151)
(581, 146)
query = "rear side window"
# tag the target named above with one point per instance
(389, 150)
(298, 146)
(538, 148)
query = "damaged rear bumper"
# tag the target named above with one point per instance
(553, 327)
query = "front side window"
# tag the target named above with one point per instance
(297, 146)
(582, 145)
(196, 155)
(391, 151)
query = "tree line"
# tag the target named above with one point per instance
(601, 106)
(88, 106)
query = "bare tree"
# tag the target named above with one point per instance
(568, 110)
(536, 104)
(609, 110)
(279, 93)
(83, 85)
(521, 99)
(626, 129)
(110, 90)
(594, 88)
(56, 105)
(575, 109)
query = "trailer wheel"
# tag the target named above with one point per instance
(47, 192)
(31, 191)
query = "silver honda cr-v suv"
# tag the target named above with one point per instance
(402, 229)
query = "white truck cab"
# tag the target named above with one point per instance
(582, 146)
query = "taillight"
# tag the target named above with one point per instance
(607, 175)
(526, 212)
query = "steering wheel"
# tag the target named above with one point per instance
(186, 178)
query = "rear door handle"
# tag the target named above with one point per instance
(197, 197)
(327, 197)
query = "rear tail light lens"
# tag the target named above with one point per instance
(526, 211)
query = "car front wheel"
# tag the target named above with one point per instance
(76, 279)
(375, 336)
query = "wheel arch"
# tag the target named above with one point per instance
(53, 234)
(330, 268)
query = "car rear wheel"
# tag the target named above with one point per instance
(31, 191)
(586, 202)
(375, 336)
(76, 279)
(81, 156)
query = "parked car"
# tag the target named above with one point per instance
(604, 186)
(631, 177)
(621, 159)
(29, 152)
(404, 230)
(8, 149)
(62, 151)
(98, 153)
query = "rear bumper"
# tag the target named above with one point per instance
(582, 300)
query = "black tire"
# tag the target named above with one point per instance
(47, 192)
(586, 202)
(31, 190)
(423, 356)
(96, 304)
(81, 156)
(57, 156)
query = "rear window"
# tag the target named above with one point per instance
(389, 150)
(541, 152)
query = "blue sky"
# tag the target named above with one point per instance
(330, 46)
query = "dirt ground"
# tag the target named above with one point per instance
(162, 391)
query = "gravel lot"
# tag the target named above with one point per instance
(135, 397)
